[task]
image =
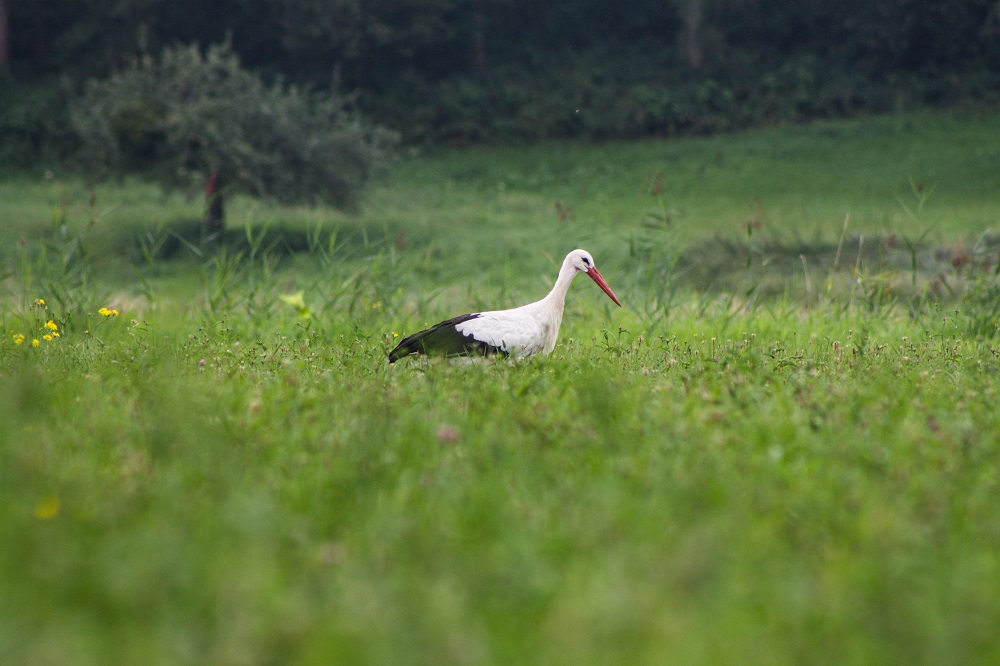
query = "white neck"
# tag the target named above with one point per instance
(559, 289)
(550, 309)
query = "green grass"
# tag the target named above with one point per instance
(708, 475)
(798, 182)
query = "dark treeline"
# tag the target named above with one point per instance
(457, 70)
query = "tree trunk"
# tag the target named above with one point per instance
(4, 38)
(692, 35)
(479, 42)
(214, 215)
(40, 46)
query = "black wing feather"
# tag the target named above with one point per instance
(444, 339)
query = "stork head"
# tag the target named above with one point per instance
(583, 262)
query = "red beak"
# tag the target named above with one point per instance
(596, 276)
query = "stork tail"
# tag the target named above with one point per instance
(444, 340)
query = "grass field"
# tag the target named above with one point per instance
(784, 449)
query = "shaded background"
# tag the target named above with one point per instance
(472, 70)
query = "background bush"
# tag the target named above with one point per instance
(186, 116)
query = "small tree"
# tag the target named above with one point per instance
(190, 118)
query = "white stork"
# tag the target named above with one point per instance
(524, 331)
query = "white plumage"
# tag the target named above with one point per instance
(519, 332)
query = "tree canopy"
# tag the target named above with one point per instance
(185, 115)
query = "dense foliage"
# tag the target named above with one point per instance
(205, 117)
(467, 69)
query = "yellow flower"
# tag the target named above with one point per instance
(18, 338)
(395, 334)
(47, 337)
(39, 301)
(297, 301)
(104, 312)
(55, 335)
(47, 508)
(35, 342)
(51, 325)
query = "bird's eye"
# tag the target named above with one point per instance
(586, 262)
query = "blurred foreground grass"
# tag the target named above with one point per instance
(758, 489)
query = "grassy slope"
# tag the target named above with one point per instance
(231, 484)
(798, 181)
(803, 178)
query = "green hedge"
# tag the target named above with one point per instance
(602, 103)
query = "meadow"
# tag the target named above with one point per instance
(784, 449)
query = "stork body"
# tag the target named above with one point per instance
(519, 332)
